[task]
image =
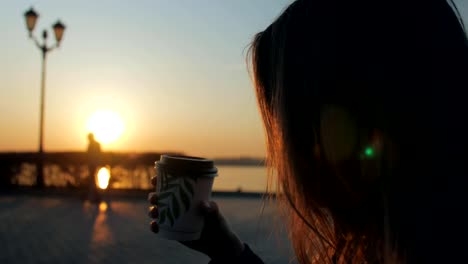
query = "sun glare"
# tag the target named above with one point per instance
(107, 126)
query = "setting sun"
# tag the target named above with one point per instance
(107, 126)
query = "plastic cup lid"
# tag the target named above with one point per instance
(188, 165)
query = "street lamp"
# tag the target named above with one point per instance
(31, 19)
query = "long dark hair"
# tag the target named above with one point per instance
(364, 112)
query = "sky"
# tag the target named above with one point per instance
(173, 70)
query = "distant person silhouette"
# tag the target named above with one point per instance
(94, 160)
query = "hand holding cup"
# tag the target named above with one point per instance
(198, 224)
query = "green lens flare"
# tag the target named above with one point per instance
(369, 152)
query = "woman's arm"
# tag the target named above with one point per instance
(217, 240)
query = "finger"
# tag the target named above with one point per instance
(154, 180)
(209, 208)
(154, 227)
(153, 198)
(210, 211)
(212, 214)
(153, 212)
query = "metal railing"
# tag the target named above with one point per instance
(70, 169)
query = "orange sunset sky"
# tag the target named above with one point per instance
(172, 73)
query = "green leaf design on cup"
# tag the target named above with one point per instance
(184, 196)
(175, 207)
(172, 185)
(161, 205)
(189, 186)
(171, 188)
(162, 217)
(164, 195)
(170, 217)
(171, 179)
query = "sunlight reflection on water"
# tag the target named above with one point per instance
(103, 207)
(101, 230)
(244, 178)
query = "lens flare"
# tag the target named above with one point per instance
(369, 152)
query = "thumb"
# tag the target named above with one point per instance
(210, 211)
(209, 208)
(214, 219)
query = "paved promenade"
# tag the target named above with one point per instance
(41, 229)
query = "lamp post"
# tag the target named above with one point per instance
(31, 19)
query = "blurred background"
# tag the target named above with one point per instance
(146, 77)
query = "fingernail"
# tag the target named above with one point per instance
(153, 212)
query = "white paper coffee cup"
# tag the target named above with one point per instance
(182, 184)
